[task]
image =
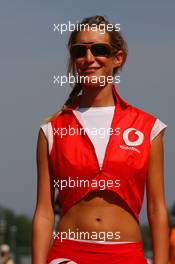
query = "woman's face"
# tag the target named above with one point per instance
(93, 66)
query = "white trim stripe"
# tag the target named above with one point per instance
(101, 241)
(61, 260)
(157, 128)
(48, 131)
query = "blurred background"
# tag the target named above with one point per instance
(31, 53)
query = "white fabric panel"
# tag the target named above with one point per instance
(47, 129)
(157, 128)
(99, 118)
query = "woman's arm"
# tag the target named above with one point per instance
(156, 205)
(43, 219)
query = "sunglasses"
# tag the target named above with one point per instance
(97, 49)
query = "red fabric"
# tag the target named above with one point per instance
(98, 253)
(126, 156)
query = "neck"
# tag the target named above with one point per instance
(97, 96)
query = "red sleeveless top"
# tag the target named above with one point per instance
(124, 170)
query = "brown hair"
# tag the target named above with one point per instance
(115, 38)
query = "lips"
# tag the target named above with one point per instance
(90, 70)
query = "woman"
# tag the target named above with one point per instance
(100, 178)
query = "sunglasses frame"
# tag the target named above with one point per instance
(89, 45)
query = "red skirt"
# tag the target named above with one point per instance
(82, 252)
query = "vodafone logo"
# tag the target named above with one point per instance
(138, 141)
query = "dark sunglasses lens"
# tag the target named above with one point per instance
(78, 51)
(101, 50)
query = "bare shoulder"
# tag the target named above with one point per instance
(42, 145)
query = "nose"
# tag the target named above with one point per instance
(89, 56)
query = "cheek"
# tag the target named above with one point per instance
(106, 65)
(78, 63)
(106, 62)
(102, 61)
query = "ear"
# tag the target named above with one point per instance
(118, 58)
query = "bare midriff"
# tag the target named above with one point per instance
(101, 213)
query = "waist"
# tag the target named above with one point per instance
(92, 245)
(93, 252)
(100, 219)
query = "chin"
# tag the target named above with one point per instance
(92, 85)
(94, 80)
